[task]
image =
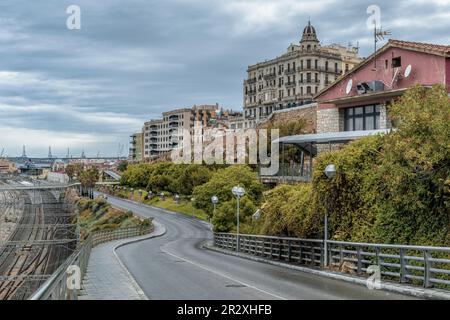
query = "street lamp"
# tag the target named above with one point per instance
(238, 193)
(330, 172)
(215, 201)
(193, 208)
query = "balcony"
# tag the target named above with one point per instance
(153, 127)
(290, 84)
(174, 118)
(290, 71)
(270, 76)
(251, 80)
(309, 81)
(320, 69)
(173, 125)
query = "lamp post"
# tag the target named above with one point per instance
(330, 172)
(215, 201)
(238, 193)
(193, 208)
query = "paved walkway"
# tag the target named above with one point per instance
(107, 278)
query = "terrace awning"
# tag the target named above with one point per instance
(329, 137)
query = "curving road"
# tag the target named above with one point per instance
(174, 266)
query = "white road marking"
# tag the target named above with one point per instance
(223, 275)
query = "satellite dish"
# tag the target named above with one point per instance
(408, 71)
(349, 86)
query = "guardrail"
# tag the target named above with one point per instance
(56, 287)
(417, 265)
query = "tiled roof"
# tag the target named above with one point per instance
(428, 47)
(437, 49)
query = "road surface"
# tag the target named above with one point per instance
(174, 266)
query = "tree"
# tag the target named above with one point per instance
(74, 169)
(220, 185)
(123, 165)
(89, 177)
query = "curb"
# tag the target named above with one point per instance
(402, 289)
(152, 235)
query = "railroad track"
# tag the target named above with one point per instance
(39, 221)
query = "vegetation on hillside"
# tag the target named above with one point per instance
(97, 214)
(393, 188)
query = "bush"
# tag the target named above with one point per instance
(391, 189)
(221, 184)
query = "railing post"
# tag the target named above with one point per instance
(271, 249)
(427, 269)
(300, 253)
(289, 251)
(402, 266)
(359, 262)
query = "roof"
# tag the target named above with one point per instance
(329, 137)
(436, 49)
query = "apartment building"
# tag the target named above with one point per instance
(163, 135)
(136, 146)
(295, 77)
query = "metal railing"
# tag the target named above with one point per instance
(56, 287)
(415, 265)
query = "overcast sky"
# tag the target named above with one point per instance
(132, 59)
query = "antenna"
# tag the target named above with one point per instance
(24, 154)
(68, 153)
(378, 35)
(50, 156)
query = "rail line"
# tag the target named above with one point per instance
(22, 264)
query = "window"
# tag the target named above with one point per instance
(308, 64)
(396, 62)
(308, 90)
(362, 118)
(326, 65)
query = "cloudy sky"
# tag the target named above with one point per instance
(132, 59)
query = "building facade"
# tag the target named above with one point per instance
(359, 101)
(163, 135)
(295, 77)
(7, 167)
(136, 146)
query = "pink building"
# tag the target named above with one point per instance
(359, 100)
(357, 103)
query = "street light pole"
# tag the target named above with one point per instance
(238, 192)
(215, 201)
(330, 172)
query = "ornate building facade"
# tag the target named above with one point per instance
(294, 78)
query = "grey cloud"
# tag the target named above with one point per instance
(137, 58)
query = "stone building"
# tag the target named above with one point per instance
(295, 77)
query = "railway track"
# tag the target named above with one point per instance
(24, 265)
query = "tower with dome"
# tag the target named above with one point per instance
(295, 77)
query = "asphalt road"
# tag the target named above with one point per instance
(174, 266)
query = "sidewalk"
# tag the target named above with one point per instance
(107, 278)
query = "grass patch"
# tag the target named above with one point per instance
(184, 206)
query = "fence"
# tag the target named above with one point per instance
(417, 265)
(55, 288)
